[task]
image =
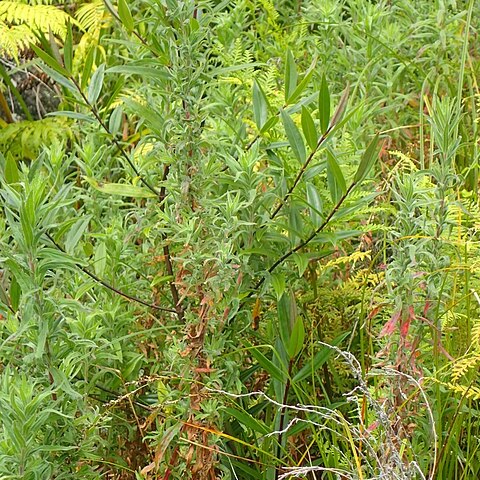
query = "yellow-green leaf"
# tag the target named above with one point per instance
(122, 189)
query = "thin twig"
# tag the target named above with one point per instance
(161, 194)
(322, 140)
(107, 285)
(305, 242)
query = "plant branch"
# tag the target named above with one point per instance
(114, 140)
(161, 194)
(320, 142)
(307, 241)
(107, 285)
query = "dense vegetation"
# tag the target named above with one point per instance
(239, 239)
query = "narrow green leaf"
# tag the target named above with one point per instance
(50, 61)
(68, 48)
(115, 121)
(301, 261)
(150, 117)
(270, 123)
(287, 315)
(309, 130)
(294, 138)
(342, 105)
(142, 70)
(87, 67)
(11, 170)
(54, 47)
(303, 83)
(59, 78)
(260, 106)
(247, 420)
(74, 115)
(367, 161)
(100, 258)
(75, 233)
(297, 338)
(324, 105)
(278, 283)
(319, 359)
(291, 76)
(96, 84)
(335, 178)
(15, 292)
(121, 189)
(125, 15)
(265, 363)
(314, 203)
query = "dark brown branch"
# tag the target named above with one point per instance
(166, 252)
(305, 242)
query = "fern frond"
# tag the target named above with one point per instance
(462, 366)
(475, 333)
(472, 392)
(42, 18)
(26, 139)
(14, 39)
(91, 15)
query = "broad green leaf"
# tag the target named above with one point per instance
(247, 420)
(100, 258)
(278, 283)
(260, 106)
(324, 105)
(335, 178)
(122, 189)
(96, 84)
(68, 48)
(315, 204)
(294, 138)
(309, 130)
(297, 338)
(125, 15)
(367, 161)
(287, 315)
(319, 359)
(342, 105)
(291, 76)
(50, 61)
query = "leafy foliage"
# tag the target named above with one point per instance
(244, 247)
